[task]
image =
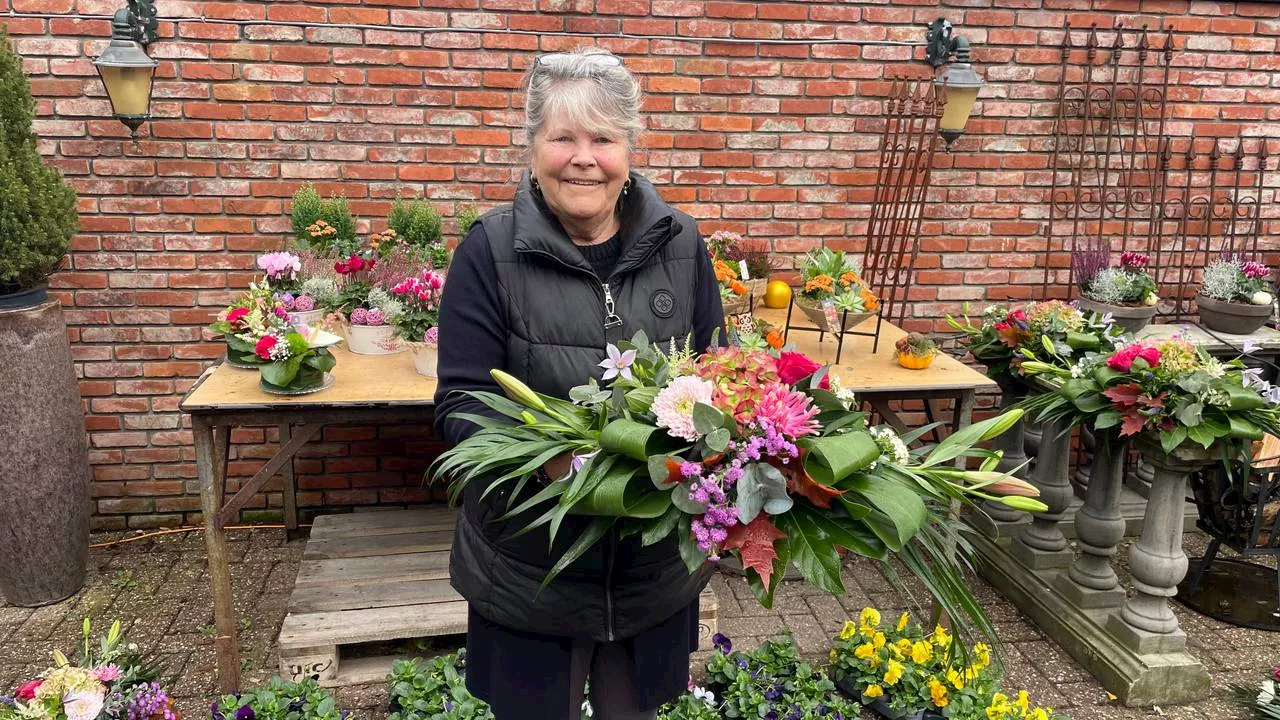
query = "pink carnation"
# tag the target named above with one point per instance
(360, 316)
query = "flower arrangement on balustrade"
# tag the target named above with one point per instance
(1128, 292)
(257, 313)
(1171, 391)
(109, 680)
(279, 699)
(295, 360)
(737, 452)
(832, 287)
(1235, 296)
(417, 323)
(1050, 328)
(1262, 700)
(897, 667)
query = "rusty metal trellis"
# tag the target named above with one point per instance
(1120, 181)
(903, 176)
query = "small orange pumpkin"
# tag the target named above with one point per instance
(915, 362)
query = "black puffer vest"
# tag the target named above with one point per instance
(560, 317)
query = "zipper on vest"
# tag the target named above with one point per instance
(608, 584)
(611, 319)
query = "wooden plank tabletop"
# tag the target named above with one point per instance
(862, 371)
(358, 380)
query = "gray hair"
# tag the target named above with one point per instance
(589, 85)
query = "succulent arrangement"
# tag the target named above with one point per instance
(915, 351)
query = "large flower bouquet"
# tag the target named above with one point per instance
(1007, 337)
(1171, 390)
(257, 313)
(109, 680)
(738, 453)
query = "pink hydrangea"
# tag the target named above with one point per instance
(360, 316)
(375, 318)
(304, 303)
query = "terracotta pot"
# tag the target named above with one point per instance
(818, 317)
(1231, 317)
(373, 339)
(1130, 317)
(915, 362)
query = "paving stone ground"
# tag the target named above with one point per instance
(157, 587)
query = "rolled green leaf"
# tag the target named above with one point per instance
(835, 457)
(623, 494)
(638, 441)
(1243, 398)
(281, 374)
(1083, 341)
(1243, 428)
(901, 505)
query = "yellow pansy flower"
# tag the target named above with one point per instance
(938, 693)
(873, 691)
(864, 651)
(940, 637)
(921, 652)
(868, 621)
(983, 654)
(878, 641)
(971, 673)
(903, 646)
(894, 673)
(956, 679)
(1023, 702)
(902, 622)
(849, 630)
(1039, 714)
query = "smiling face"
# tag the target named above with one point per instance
(581, 172)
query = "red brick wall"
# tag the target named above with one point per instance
(766, 139)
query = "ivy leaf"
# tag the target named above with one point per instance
(754, 543)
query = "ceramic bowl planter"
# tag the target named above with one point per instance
(818, 317)
(306, 317)
(425, 358)
(1231, 317)
(737, 304)
(1129, 317)
(373, 339)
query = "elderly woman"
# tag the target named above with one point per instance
(586, 255)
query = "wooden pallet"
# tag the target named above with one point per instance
(377, 576)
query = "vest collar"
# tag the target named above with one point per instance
(647, 224)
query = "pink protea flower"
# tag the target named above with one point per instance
(360, 316)
(304, 303)
(375, 318)
(789, 412)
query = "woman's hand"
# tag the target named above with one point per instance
(558, 466)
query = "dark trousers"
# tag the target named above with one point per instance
(612, 672)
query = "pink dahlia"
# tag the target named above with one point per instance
(360, 316)
(789, 412)
(673, 406)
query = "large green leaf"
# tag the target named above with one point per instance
(592, 534)
(689, 552)
(959, 442)
(322, 360)
(281, 373)
(833, 458)
(636, 440)
(812, 551)
(1243, 398)
(661, 527)
(899, 503)
(846, 532)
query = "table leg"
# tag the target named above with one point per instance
(212, 444)
(289, 488)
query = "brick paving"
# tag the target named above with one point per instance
(157, 588)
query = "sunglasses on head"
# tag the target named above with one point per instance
(555, 58)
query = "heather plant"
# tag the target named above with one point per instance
(38, 212)
(1237, 280)
(1128, 284)
(326, 226)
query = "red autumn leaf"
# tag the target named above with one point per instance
(1125, 395)
(673, 471)
(1153, 402)
(799, 482)
(754, 543)
(1132, 425)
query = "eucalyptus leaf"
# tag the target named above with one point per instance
(718, 439)
(706, 418)
(1189, 414)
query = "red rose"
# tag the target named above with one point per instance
(1151, 355)
(236, 315)
(794, 367)
(27, 690)
(263, 348)
(1122, 360)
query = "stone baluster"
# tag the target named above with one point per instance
(1146, 623)
(1041, 545)
(1086, 462)
(1091, 581)
(1012, 445)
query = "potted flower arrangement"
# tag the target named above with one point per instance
(109, 680)
(915, 351)
(369, 309)
(416, 324)
(1127, 293)
(292, 363)
(323, 226)
(258, 312)
(316, 296)
(733, 293)
(751, 258)
(1005, 335)
(833, 289)
(1235, 296)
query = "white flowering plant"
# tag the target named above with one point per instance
(1237, 280)
(736, 452)
(1262, 699)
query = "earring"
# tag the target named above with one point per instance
(533, 180)
(626, 186)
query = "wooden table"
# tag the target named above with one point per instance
(367, 389)
(386, 388)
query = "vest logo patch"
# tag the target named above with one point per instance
(663, 303)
